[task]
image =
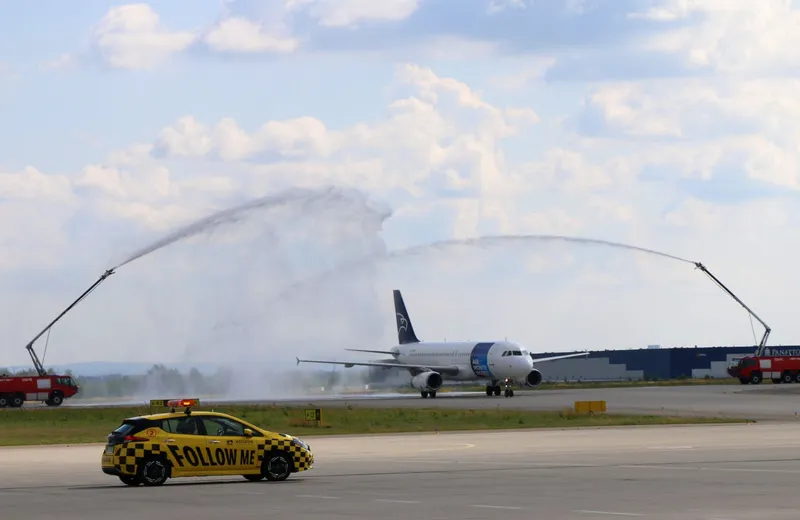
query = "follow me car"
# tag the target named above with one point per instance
(153, 448)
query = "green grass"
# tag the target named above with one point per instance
(38, 426)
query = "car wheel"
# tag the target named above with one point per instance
(153, 472)
(253, 478)
(277, 466)
(130, 480)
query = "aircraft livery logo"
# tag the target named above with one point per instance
(479, 359)
(403, 322)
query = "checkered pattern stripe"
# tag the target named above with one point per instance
(130, 455)
(303, 459)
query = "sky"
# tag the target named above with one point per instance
(671, 125)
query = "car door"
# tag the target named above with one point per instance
(183, 443)
(228, 448)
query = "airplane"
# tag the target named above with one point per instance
(431, 363)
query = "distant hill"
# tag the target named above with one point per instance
(105, 368)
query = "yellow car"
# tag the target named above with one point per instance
(150, 449)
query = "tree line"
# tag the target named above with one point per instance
(158, 380)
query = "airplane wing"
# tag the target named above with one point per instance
(553, 358)
(447, 369)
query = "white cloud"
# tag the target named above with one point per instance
(734, 36)
(238, 34)
(498, 6)
(64, 62)
(349, 13)
(131, 37)
(33, 212)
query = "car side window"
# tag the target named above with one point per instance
(223, 427)
(181, 425)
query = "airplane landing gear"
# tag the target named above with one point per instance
(509, 392)
(492, 390)
(425, 394)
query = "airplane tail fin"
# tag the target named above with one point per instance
(405, 331)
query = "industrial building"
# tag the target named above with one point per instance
(651, 363)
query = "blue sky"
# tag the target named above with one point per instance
(660, 123)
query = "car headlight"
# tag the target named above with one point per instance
(298, 442)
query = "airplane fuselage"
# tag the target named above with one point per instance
(431, 362)
(476, 361)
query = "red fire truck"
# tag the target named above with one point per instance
(781, 365)
(49, 389)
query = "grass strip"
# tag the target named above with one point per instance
(42, 426)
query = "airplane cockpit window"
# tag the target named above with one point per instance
(506, 353)
(517, 353)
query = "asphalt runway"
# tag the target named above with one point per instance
(771, 402)
(719, 472)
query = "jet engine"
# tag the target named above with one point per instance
(427, 381)
(534, 378)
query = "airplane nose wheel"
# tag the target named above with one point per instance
(509, 391)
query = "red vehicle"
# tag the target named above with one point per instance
(781, 365)
(49, 389)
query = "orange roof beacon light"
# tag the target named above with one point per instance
(176, 403)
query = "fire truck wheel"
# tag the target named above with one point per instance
(3, 401)
(16, 401)
(55, 400)
(755, 379)
(153, 472)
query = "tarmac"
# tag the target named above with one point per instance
(768, 401)
(708, 472)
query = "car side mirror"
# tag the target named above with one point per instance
(248, 432)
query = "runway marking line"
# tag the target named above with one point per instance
(613, 513)
(316, 496)
(451, 448)
(706, 468)
(495, 507)
(397, 501)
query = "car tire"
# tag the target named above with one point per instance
(153, 472)
(277, 466)
(253, 478)
(130, 480)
